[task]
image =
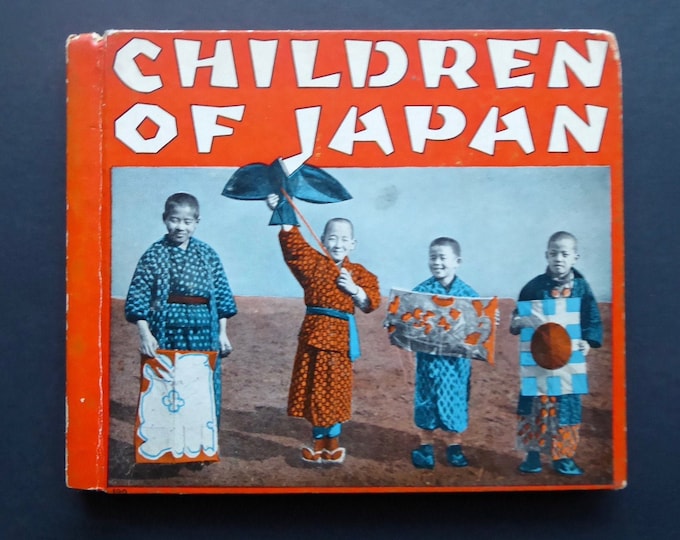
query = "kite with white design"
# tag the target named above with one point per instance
(176, 417)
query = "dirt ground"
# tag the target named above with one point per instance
(259, 444)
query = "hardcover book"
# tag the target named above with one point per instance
(345, 261)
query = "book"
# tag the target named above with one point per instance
(246, 210)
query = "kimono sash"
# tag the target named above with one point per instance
(354, 346)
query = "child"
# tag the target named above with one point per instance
(556, 419)
(179, 296)
(442, 382)
(321, 383)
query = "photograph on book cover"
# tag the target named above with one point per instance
(366, 291)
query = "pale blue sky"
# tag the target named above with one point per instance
(502, 218)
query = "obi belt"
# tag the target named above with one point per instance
(354, 347)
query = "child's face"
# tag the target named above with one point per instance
(339, 240)
(443, 263)
(181, 223)
(561, 257)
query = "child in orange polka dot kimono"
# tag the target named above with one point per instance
(321, 383)
(549, 424)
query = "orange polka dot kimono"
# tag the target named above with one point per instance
(321, 383)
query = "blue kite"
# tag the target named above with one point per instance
(255, 182)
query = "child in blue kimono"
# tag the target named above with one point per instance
(179, 296)
(550, 424)
(442, 387)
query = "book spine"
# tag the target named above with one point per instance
(86, 461)
(619, 417)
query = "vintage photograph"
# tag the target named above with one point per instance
(286, 402)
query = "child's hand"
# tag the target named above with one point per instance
(476, 355)
(345, 283)
(147, 342)
(225, 345)
(584, 347)
(517, 323)
(272, 201)
(149, 346)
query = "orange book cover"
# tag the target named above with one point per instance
(345, 261)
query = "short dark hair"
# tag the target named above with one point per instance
(181, 199)
(562, 235)
(338, 220)
(446, 241)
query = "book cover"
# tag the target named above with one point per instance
(345, 261)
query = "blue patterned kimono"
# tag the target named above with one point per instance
(442, 382)
(166, 269)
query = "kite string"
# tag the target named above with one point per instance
(297, 211)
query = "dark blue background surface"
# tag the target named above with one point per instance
(35, 503)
